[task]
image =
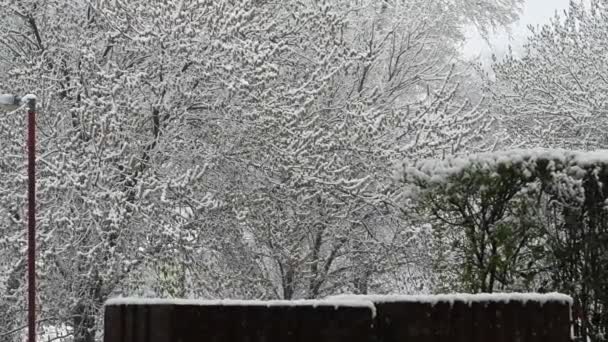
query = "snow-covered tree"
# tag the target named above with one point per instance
(221, 148)
(397, 96)
(555, 94)
(107, 198)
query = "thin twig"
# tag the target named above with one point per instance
(4, 334)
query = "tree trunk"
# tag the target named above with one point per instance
(84, 323)
(361, 281)
(288, 282)
(84, 318)
(9, 304)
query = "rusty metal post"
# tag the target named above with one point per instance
(31, 212)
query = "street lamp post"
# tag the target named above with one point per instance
(11, 102)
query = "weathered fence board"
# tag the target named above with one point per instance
(166, 322)
(471, 318)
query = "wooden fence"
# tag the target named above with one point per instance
(369, 319)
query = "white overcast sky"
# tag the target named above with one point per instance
(535, 12)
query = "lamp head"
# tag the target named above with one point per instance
(9, 102)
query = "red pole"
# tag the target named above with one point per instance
(31, 231)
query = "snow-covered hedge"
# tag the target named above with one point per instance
(519, 220)
(526, 164)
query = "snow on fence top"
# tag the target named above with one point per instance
(336, 304)
(358, 301)
(460, 297)
(438, 171)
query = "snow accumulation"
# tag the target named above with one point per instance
(336, 304)
(436, 170)
(460, 297)
(28, 97)
(357, 301)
